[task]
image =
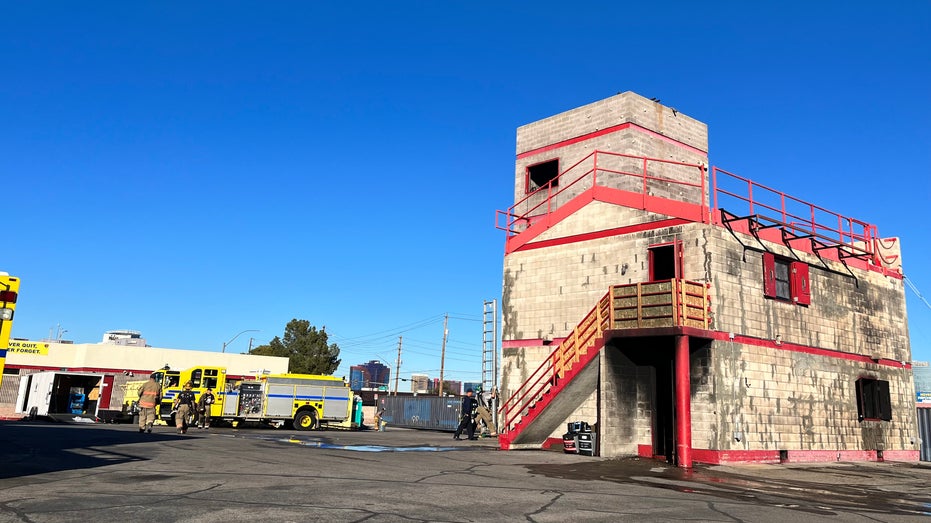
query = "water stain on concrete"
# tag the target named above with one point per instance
(827, 495)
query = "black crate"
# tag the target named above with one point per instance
(586, 443)
(570, 443)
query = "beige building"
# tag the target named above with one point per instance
(125, 362)
(690, 313)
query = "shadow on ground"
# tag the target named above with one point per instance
(36, 448)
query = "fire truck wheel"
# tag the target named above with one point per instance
(305, 420)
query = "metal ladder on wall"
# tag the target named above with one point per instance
(490, 351)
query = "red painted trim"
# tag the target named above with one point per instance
(721, 336)
(618, 231)
(518, 344)
(95, 370)
(645, 451)
(683, 404)
(552, 442)
(609, 130)
(749, 340)
(718, 457)
(537, 225)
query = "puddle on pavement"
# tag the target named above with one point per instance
(367, 448)
(356, 448)
(814, 498)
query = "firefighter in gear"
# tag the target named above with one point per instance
(150, 393)
(204, 402)
(184, 406)
(467, 416)
(485, 407)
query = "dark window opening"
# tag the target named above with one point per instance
(783, 289)
(873, 400)
(541, 174)
(663, 263)
(195, 378)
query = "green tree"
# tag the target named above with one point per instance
(306, 348)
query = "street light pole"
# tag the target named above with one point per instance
(225, 343)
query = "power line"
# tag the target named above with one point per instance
(915, 290)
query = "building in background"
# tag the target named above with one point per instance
(125, 362)
(358, 377)
(370, 376)
(420, 383)
(922, 373)
(450, 386)
(124, 337)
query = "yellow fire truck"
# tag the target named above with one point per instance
(164, 377)
(306, 401)
(9, 291)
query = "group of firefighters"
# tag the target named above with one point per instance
(474, 410)
(187, 407)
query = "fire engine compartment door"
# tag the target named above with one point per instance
(281, 398)
(337, 401)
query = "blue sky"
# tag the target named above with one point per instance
(193, 170)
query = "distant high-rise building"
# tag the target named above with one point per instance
(420, 383)
(450, 386)
(358, 377)
(376, 374)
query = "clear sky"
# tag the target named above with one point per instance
(195, 169)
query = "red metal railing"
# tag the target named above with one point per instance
(604, 169)
(797, 216)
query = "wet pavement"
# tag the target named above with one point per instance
(59, 473)
(824, 489)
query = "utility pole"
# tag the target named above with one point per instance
(397, 369)
(443, 350)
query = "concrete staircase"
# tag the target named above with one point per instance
(559, 385)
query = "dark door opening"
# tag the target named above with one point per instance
(665, 261)
(656, 354)
(664, 412)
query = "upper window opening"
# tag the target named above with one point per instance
(873, 400)
(782, 279)
(785, 279)
(543, 173)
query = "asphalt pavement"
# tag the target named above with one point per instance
(93, 472)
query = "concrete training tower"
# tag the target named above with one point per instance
(690, 313)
